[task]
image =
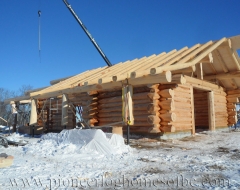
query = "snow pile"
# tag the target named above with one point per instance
(79, 141)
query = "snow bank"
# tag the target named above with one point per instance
(79, 141)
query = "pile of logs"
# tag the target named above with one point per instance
(232, 99)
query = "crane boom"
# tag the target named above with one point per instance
(88, 34)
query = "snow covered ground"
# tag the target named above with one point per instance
(210, 160)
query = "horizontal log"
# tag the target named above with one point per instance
(153, 96)
(231, 92)
(119, 114)
(231, 106)
(143, 118)
(153, 86)
(181, 95)
(166, 86)
(91, 103)
(109, 94)
(166, 93)
(232, 100)
(136, 124)
(110, 104)
(232, 113)
(167, 104)
(183, 119)
(186, 70)
(183, 100)
(233, 96)
(183, 90)
(154, 90)
(201, 83)
(110, 100)
(139, 89)
(137, 78)
(183, 113)
(185, 105)
(92, 121)
(110, 114)
(167, 128)
(178, 79)
(141, 96)
(145, 101)
(168, 116)
(152, 119)
(175, 123)
(110, 119)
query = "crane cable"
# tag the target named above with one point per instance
(39, 34)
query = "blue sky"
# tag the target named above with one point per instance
(125, 30)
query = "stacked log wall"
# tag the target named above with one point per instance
(183, 108)
(89, 104)
(145, 108)
(232, 99)
(176, 108)
(221, 113)
(201, 109)
(52, 115)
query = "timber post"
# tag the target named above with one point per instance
(211, 111)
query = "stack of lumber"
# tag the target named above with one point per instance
(232, 98)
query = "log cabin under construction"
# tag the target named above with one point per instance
(179, 91)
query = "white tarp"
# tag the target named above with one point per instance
(89, 139)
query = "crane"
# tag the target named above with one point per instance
(88, 33)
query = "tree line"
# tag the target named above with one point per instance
(5, 109)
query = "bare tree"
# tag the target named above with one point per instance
(5, 109)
